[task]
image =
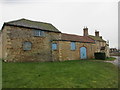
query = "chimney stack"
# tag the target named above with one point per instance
(85, 30)
(97, 33)
(101, 37)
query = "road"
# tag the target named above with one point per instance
(116, 61)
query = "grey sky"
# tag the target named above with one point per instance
(68, 16)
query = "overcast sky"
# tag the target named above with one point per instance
(69, 16)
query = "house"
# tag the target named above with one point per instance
(25, 40)
(112, 50)
(102, 45)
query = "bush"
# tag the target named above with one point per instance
(100, 55)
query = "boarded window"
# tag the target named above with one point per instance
(73, 46)
(39, 33)
(27, 45)
(54, 46)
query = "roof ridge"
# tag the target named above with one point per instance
(27, 20)
(33, 24)
(35, 21)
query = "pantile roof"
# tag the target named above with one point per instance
(72, 37)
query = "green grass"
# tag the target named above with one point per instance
(107, 59)
(67, 74)
(0, 73)
(111, 59)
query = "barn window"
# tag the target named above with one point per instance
(39, 33)
(73, 46)
(27, 46)
(54, 46)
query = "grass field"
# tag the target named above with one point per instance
(110, 59)
(67, 74)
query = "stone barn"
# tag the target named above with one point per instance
(31, 41)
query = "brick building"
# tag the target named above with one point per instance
(26, 40)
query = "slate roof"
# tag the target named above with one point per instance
(33, 24)
(72, 37)
(96, 38)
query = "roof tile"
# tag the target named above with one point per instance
(71, 37)
(33, 24)
(96, 38)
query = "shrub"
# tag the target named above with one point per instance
(100, 55)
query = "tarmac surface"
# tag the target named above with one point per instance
(116, 61)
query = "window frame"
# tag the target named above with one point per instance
(54, 46)
(25, 47)
(73, 46)
(39, 33)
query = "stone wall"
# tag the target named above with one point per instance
(14, 37)
(100, 44)
(0, 45)
(5, 42)
(41, 45)
(56, 53)
(107, 51)
(65, 52)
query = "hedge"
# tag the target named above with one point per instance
(100, 55)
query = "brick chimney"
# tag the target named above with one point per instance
(85, 30)
(97, 33)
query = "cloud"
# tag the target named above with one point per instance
(36, 1)
(67, 17)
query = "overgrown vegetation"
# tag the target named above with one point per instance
(0, 59)
(67, 74)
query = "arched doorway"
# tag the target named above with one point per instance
(83, 54)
